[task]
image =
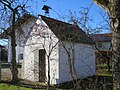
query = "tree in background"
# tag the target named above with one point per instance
(10, 12)
(112, 7)
(84, 20)
(8, 7)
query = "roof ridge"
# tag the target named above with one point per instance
(58, 20)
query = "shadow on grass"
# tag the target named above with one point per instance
(90, 83)
(27, 84)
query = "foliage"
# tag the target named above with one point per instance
(12, 87)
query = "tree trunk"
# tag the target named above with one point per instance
(116, 57)
(13, 45)
(115, 30)
(113, 8)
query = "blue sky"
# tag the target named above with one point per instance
(61, 7)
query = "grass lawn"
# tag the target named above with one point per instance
(12, 87)
(103, 71)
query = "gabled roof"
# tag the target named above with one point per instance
(64, 31)
(106, 37)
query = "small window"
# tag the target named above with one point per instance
(20, 56)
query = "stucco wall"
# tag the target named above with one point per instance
(35, 41)
(19, 50)
(20, 39)
(84, 61)
(9, 50)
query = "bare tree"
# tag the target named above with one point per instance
(11, 10)
(14, 11)
(84, 20)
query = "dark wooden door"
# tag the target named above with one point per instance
(42, 68)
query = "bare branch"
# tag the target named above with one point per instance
(6, 3)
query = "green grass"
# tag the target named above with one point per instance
(102, 66)
(12, 87)
(104, 74)
(103, 71)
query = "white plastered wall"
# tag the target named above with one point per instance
(84, 61)
(9, 49)
(35, 41)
